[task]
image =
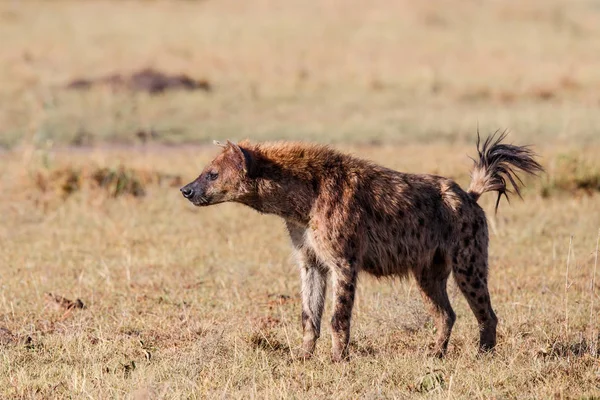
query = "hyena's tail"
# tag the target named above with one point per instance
(498, 163)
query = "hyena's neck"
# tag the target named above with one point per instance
(288, 197)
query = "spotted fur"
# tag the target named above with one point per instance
(345, 215)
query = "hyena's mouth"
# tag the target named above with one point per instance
(200, 201)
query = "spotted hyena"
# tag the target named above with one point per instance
(346, 215)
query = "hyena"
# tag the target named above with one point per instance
(346, 215)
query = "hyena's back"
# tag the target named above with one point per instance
(410, 222)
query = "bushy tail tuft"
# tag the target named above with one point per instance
(498, 163)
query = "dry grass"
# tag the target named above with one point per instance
(187, 302)
(108, 293)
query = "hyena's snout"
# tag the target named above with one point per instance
(187, 191)
(195, 193)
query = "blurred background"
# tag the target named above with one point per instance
(112, 285)
(365, 71)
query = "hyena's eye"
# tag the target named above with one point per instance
(211, 176)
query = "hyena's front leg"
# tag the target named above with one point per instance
(314, 286)
(344, 287)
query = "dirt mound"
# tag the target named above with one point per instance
(146, 80)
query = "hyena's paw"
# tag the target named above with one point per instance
(337, 357)
(440, 354)
(435, 351)
(304, 353)
(485, 351)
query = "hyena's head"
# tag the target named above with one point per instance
(224, 179)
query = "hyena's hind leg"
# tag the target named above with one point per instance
(432, 281)
(471, 272)
(344, 289)
(314, 277)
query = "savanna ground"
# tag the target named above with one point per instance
(180, 302)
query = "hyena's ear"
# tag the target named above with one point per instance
(242, 157)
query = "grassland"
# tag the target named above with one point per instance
(203, 303)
